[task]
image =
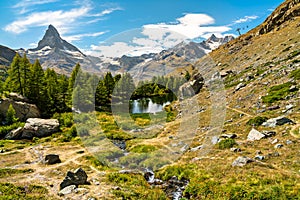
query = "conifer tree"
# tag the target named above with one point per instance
(35, 83)
(72, 80)
(14, 81)
(25, 74)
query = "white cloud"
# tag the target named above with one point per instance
(63, 20)
(245, 19)
(58, 18)
(192, 19)
(26, 4)
(80, 36)
(160, 36)
(29, 3)
(33, 44)
(114, 50)
(191, 26)
(106, 12)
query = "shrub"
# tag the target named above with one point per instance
(65, 119)
(171, 113)
(143, 149)
(278, 92)
(6, 129)
(180, 171)
(11, 115)
(257, 121)
(226, 144)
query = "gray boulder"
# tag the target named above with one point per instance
(196, 148)
(255, 135)
(192, 87)
(52, 159)
(241, 161)
(17, 97)
(278, 121)
(67, 190)
(79, 177)
(24, 110)
(259, 157)
(36, 127)
(278, 146)
(14, 134)
(215, 140)
(235, 150)
(240, 86)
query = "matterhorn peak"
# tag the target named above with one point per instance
(53, 40)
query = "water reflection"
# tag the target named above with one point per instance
(150, 105)
(146, 105)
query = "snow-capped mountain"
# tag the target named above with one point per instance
(56, 53)
(164, 62)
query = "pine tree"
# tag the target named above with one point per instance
(35, 83)
(14, 81)
(50, 92)
(109, 83)
(25, 74)
(72, 80)
(124, 88)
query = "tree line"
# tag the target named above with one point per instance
(57, 93)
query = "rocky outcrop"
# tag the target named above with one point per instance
(23, 108)
(6, 55)
(36, 127)
(79, 177)
(192, 87)
(278, 121)
(285, 12)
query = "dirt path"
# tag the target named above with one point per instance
(239, 111)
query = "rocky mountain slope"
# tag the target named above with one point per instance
(6, 55)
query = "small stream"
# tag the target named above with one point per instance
(173, 187)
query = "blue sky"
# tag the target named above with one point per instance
(88, 23)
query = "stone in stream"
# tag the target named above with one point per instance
(149, 176)
(173, 187)
(120, 143)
